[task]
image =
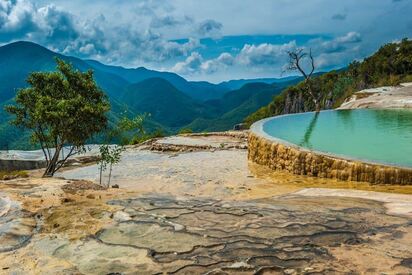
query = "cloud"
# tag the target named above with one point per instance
(224, 61)
(17, 17)
(337, 51)
(329, 53)
(255, 57)
(169, 21)
(190, 66)
(350, 37)
(264, 54)
(97, 38)
(339, 16)
(150, 32)
(338, 44)
(209, 28)
(195, 64)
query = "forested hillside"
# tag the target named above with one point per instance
(389, 66)
(172, 101)
(238, 104)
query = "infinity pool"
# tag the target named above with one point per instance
(379, 136)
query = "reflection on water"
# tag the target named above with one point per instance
(346, 117)
(382, 136)
(309, 130)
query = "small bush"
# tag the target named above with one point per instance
(142, 138)
(185, 131)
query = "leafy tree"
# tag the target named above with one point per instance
(132, 126)
(64, 108)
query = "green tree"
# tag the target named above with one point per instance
(109, 155)
(132, 126)
(63, 109)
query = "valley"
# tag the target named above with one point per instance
(172, 102)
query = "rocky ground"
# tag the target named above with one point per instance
(384, 97)
(194, 205)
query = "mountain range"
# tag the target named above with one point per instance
(173, 102)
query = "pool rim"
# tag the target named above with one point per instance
(257, 129)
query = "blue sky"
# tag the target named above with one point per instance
(210, 40)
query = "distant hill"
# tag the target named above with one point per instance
(19, 59)
(236, 105)
(163, 101)
(197, 90)
(172, 101)
(238, 83)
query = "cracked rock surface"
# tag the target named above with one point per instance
(173, 215)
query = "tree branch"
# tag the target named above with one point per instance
(312, 62)
(60, 163)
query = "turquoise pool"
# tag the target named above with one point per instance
(379, 136)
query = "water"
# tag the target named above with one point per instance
(381, 136)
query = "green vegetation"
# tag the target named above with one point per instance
(389, 66)
(8, 175)
(167, 105)
(61, 109)
(185, 131)
(158, 133)
(173, 102)
(236, 105)
(127, 130)
(109, 156)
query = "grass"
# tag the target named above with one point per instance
(8, 175)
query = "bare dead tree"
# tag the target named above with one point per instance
(295, 64)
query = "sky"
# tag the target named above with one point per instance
(213, 40)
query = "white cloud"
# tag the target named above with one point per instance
(142, 33)
(98, 38)
(264, 57)
(264, 54)
(191, 65)
(350, 37)
(252, 56)
(214, 65)
(337, 51)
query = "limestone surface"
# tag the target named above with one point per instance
(201, 212)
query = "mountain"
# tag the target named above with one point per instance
(236, 105)
(172, 101)
(19, 59)
(163, 101)
(197, 90)
(238, 83)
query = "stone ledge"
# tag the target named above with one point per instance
(14, 164)
(278, 156)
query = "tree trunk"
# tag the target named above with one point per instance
(110, 175)
(317, 106)
(51, 166)
(101, 172)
